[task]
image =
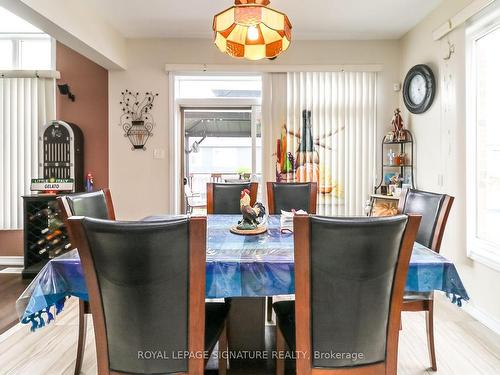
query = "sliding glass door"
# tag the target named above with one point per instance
(221, 144)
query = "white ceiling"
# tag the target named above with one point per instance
(311, 19)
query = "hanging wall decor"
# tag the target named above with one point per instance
(136, 119)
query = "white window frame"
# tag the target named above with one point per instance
(478, 249)
(17, 38)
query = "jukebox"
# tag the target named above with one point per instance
(61, 153)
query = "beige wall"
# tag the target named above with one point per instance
(440, 137)
(140, 183)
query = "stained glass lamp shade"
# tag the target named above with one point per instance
(251, 30)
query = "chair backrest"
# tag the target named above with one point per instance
(146, 285)
(350, 275)
(292, 196)
(434, 209)
(98, 205)
(225, 198)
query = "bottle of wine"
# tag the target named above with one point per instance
(44, 212)
(54, 234)
(307, 158)
(306, 152)
(38, 243)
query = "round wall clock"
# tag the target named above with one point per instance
(419, 89)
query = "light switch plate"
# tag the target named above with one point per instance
(158, 153)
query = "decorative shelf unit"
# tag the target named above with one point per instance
(404, 168)
(45, 235)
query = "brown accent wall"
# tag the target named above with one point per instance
(11, 242)
(89, 83)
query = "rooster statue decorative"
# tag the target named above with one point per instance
(253, 221)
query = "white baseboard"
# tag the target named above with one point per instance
(11, 260)
(482, 317)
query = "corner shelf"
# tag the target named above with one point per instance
(403, 147)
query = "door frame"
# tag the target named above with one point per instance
(176, 136)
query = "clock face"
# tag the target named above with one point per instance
(418, 89)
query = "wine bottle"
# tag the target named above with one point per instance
(44, 212)
(306, 152)
(307, 158)
(38, 243)
(54, 234)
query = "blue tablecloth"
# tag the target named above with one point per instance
(237, 266)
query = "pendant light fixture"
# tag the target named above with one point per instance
(251, 30)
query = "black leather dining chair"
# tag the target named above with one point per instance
(146, 285)
(350, 275)
(434, 209)
(97, 205)
(288, 196)
(224, 198)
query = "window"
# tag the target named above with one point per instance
(483, 142)
(27, 102)
(209, 86)
(23, 46)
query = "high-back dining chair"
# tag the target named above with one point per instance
(288, 196)
(98, 205)
(146, 285)
(350, 275)
(225, 198)
(435, 209)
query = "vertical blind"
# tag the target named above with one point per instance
(341, 109)
(25, 104)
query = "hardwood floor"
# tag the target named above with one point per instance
(11, 286)
(464, 347)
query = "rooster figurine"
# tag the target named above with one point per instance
(252, 216)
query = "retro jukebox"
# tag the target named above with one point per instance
(60, 151)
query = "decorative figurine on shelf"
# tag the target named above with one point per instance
(389, 137)
(401, 159)
(253, 221)
(397, 124)
(89, 183)
(391, 156)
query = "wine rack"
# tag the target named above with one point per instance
(45, 235)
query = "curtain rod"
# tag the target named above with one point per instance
(30, 74)
(268, 68)
(461, 17)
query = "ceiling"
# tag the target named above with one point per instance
(311, 19)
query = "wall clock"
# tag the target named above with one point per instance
(419, 89)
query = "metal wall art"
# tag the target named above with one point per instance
(136, 120)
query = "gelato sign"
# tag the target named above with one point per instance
(52, 184)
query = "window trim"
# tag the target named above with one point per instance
(480, 250)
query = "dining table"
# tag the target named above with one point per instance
(245, 269)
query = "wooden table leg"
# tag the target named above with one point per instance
(247, 320)
(83, 310)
